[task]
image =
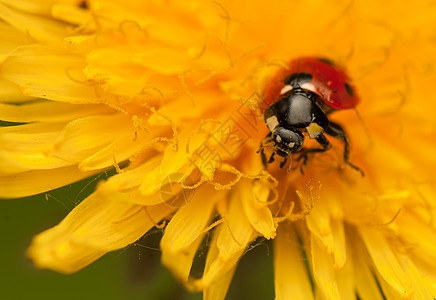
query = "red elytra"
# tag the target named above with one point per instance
(329, 81)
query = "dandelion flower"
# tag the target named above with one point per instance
(167, 92)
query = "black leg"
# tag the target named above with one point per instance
(263, 157)
(324, 142)
(304, 152)
(283, 162)
(303, 155)
(265, 162)
(271, 159)
(335, 130)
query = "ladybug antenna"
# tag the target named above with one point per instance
(264, 146)
(260, 148)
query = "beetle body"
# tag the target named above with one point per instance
(297, 102)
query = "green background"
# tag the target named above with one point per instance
(131, 273)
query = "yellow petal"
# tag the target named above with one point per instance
(423, 286)
(40, 7)
(38, 136)
(132, 178)
(103, 67)
(128, 145)
(338, 235)
(135, 197)
(185, 231)
(92, 229)
(163, 60)
(59, 74)
(178, 112)
(233, 237)
(70, 13)
(190, 220)
(42, 29)
(345, 277)
(39, 181)
(385, 260)
(173, 158)
(366, 282)
(11, 39)
(180, 263)
(10, 93)
(26, 147)
(174, 161)
(13, 162)
(152, 181)
(415, 230)
(217, 289)
(85, 136)
(237, 232)
(260, 217)
(388, 291)
(318, 222)
(155, 180)
(323, 271)
(330, 232)
(121, 149)
(48, 111)
(291, 279)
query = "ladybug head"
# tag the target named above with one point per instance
(286, 141)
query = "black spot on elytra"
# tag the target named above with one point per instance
(349, 89)
(297, 79)
(326, 61)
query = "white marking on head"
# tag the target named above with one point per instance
(291, 145)
(278, 138)
(308, 86)
(272, 123)
(286, 89)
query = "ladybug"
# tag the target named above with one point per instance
(296, 104)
